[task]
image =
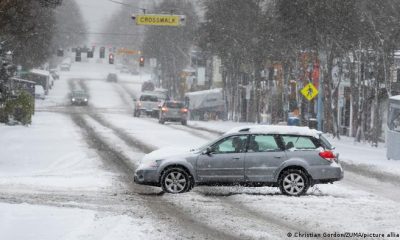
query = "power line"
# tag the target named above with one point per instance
(129, 5)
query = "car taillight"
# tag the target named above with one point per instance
(184, 110)
(164, 109)
(139, 104)
(328, 155)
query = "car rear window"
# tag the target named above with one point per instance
(299, 142)
(174, 105)
(325, 142)
(148, 98)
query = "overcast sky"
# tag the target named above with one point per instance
(96, 13)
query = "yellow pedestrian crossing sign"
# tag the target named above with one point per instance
(309, 91)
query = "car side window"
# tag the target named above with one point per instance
(298, 142)
(262, 143)
(232, 144)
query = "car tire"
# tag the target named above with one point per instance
(161, 121)
(184, 122)
(176, 180)
(293, 182)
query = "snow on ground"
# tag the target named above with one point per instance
(155, 134)
(102, 95)
(49, 153)
(24, 221)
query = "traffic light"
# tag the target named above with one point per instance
(78, 57)
(102, 52)
(141, 61)
(111, 58)
(60, 52)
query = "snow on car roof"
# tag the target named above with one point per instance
(215, 90)
(276, 129)
(395, 97)
(40, 72)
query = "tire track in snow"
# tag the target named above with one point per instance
(165, 211)
(130, 141)
(244, 211)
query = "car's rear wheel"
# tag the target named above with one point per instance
(184, 122)
(176, 180)
(161, 121)
(294, 182)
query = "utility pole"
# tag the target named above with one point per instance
(320, 106)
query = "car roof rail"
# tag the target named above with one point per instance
(244, 130)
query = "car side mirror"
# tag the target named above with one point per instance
(207, 151)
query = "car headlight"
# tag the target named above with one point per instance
(152, 164)
(85, 99)
(73, 99)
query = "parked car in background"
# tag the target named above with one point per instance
(112, 77)
(39, 92)
(79, 97)
(289, 157)
(65, 67)
(173, 111)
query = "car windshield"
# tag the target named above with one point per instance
(148, 98)
(101, 101)
(79, 94)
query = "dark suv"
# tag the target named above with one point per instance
(291, 158)
(79, 98)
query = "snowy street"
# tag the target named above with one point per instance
(69, 175)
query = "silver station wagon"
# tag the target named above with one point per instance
(291, 158)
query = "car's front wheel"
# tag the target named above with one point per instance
(294, 182)
(176, 180)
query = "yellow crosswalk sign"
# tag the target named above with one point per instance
(309, 91)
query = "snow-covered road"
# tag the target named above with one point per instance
(69, 176)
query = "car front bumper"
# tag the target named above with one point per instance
(146, 177)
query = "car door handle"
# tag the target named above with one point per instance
(236, 158)
(277, 156)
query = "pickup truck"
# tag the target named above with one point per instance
(149, 104)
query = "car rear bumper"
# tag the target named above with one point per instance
(173, 119)
(148, 110)
(328, 173)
